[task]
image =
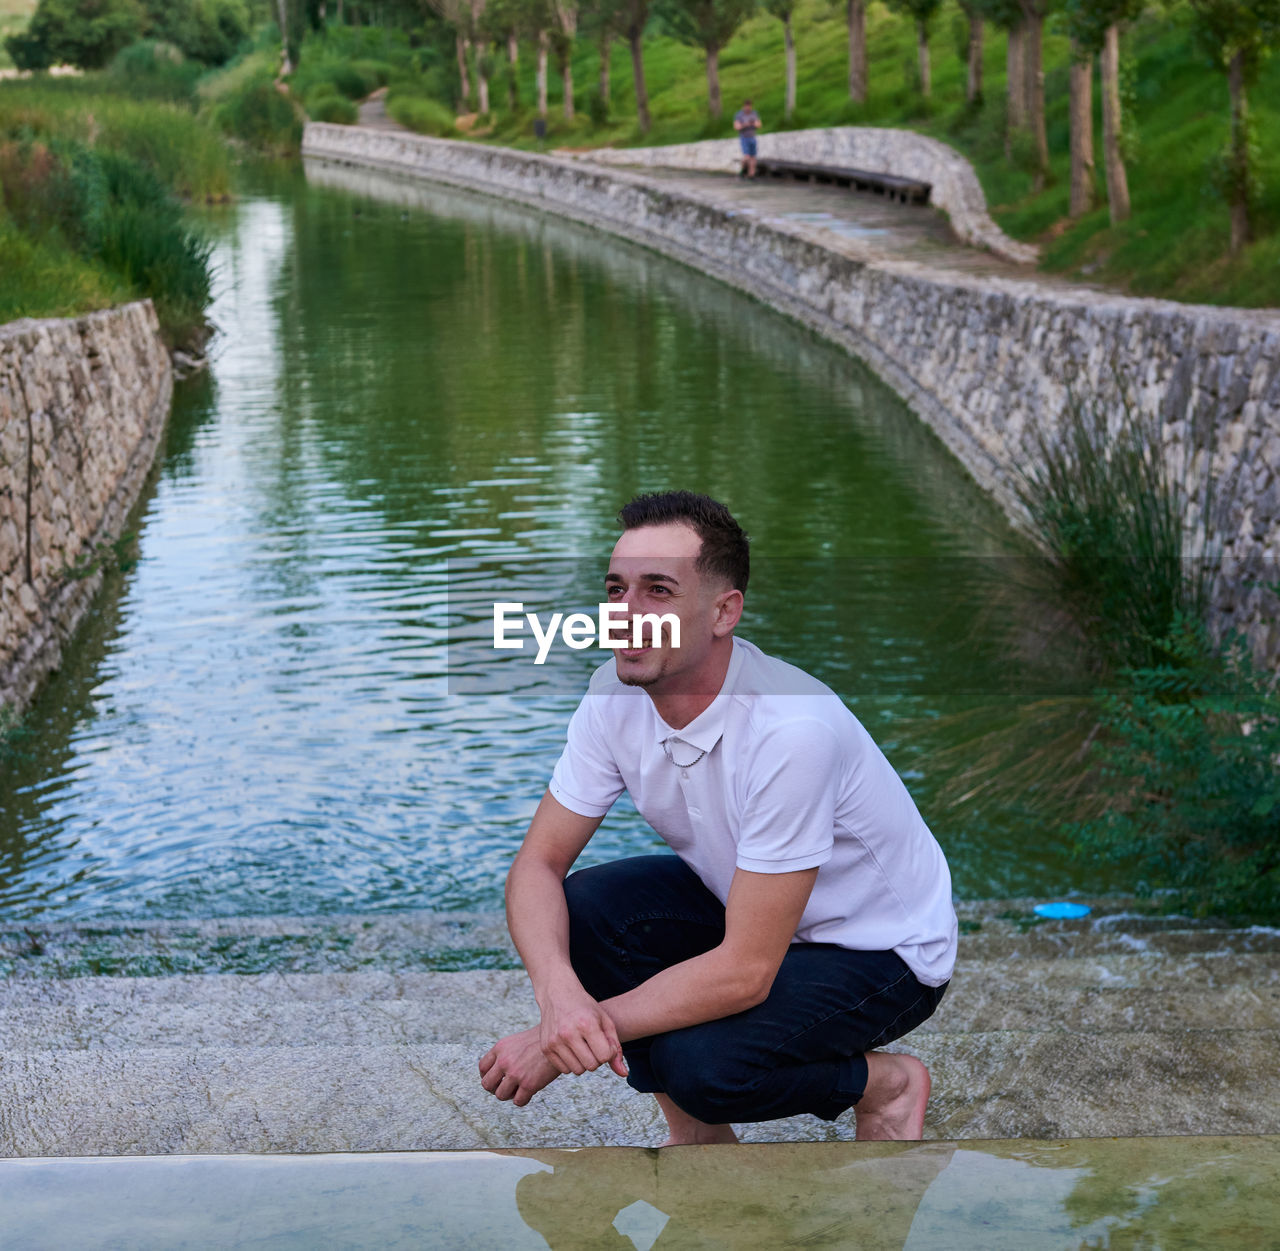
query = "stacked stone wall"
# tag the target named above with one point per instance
(83, 404)
(987, 362)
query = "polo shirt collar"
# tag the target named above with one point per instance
(707, 728)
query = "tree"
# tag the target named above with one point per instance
(973, 53)
(855, 15)
(565, 17)
(783, 11)
(709, 25)
(1007, 14)
(1094, 26)
(1033, 14)
(87, 33)
(1082, 170)
(1238, 34)
(635, 16)
(922, 13)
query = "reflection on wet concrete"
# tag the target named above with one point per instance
(1170, 1193)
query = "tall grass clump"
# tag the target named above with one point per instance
(184, 153)
(1109, 520)
(114, 213)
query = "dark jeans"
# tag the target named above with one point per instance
(801, 1050)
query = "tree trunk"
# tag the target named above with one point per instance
(606, 44)
(1081, 133)
(465, 78)
(713, 79)
(634, 35)
(1033, 64)
(788, 36)
(566, 78)
(286, 63)
(544, 41)
(482, 82)
(973, 85)
(856, 17)
(1117, 178)
(1241, 230)
(922, 57)
(513, 60)
(1015, 119)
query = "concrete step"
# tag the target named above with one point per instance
(389, 1098)
(1118, 994)
(444, 942)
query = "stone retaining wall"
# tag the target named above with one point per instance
(986, 362)
(83, 403)
(877, 149)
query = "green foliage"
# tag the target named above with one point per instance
(87, 33)
(152, 70)
(209, 31)
(45, 279)
(187, 156)
(703, 24)
(113, 211)
(427, 117)
(1110, 522)
(255, 112)
(1189, 757)
(324, 104)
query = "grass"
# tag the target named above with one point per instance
(187, 156)
(1175, 245)
(89, 214)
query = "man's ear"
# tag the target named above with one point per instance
(728, 613)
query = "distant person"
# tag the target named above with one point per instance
(805, 919)
(746, 121)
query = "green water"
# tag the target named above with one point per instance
(419, 401)
(1175, 1194)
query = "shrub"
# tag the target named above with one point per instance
(1189, 756)
(427, 117)
(257, 113)
(87, 33)
(151, 69)
(327, 106)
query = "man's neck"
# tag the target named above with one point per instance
(697, 692)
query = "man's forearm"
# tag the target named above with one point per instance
(704, 988)
(538, 919)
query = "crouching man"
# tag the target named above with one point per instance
(805, 919)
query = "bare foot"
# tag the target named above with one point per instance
(687, 1130)
(892, 1107)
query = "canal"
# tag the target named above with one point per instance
(421, 401)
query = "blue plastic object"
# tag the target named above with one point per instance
(1062, 910)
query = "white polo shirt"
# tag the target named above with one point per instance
(790, 780)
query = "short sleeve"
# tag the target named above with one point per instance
(788, 818)
(586, 779)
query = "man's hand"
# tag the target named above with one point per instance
(577, 1034)
(514, 1068)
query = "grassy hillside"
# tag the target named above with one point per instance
(1176, 243)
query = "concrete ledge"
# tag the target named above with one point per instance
(987, 362)
(877, 149)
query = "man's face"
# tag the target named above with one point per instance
(652, 571)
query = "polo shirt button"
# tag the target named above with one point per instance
(684, 773)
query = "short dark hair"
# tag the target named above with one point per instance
(724, 542)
